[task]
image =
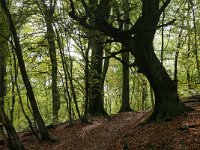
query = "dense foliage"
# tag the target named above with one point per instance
(176, 45)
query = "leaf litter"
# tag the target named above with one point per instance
(123, 132)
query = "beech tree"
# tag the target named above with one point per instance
(125, 58)
(88, 50)
(13, 139)
(139, 40)
(96, 40)
(48, 14)
(18, 50)
(3, 49)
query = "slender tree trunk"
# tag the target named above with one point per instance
(176, 69)
(13, 97)
(3, 49)
(73, 92)
(54, 69)
(195, 39)
(187, 66)
(37, 116)
(144, 93)
(15, 82)
(86, 70)
(67, 94)
(162, 37)
(2, 72)
(13, 139)
(48, 12)
(13, 76)
(176, 60)
(152, 97)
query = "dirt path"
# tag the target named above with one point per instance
(101, 133)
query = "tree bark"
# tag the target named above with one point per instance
(48, 12)
(37, 116)
(195, 39)
(13, 139)
(125, 58)
(3, 49)
(2, 72)
(167, 103)
(86, 71)
(139, 39)
(96, 104)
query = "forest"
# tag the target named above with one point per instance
(118, 71)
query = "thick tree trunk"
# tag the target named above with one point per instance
(125, 57)
(167, 103)
(96, 106)
(139, 39)
(125, 84)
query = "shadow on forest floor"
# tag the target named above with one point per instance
(121, 132)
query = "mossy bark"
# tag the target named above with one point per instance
(96, 106)
(54, 65)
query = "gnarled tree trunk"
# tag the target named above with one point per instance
(167, 103)
(125, 57)
(139, 39)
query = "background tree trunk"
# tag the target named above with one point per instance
(125, 58)
(13, 139)
(48, 12)
(195, 39)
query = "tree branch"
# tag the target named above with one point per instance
(162, 8)
(115, 53)
(85, 6)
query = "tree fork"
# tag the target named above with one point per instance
(139, 39)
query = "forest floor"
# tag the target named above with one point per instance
(123, 132)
